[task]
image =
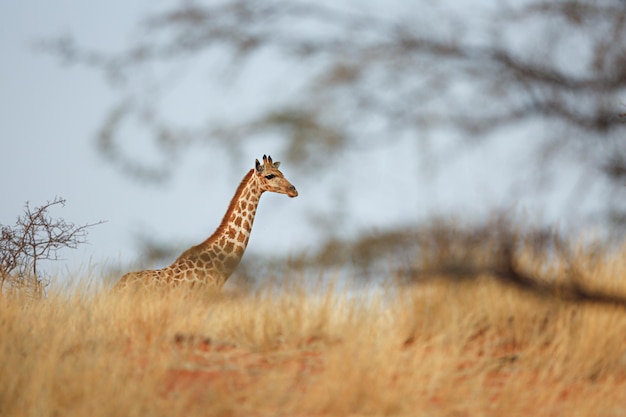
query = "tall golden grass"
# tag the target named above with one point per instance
(437, 348)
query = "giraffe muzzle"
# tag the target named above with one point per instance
(292, 192)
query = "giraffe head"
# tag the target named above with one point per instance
(271, 179)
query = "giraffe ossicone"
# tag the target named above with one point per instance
(211, 262)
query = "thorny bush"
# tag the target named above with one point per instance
(35, 237)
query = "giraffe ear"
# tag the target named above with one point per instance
(276, 165)
(259, 167)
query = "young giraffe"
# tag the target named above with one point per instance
(212, 261)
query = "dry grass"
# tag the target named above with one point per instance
(440, 348)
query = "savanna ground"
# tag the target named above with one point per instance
(435, 347)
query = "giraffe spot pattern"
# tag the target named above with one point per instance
(212, 261)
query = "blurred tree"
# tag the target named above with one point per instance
(369, 74)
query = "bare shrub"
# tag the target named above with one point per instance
(35, 237)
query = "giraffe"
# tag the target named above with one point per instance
(211, 262)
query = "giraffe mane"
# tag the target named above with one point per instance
(232, 204)
(224, 222)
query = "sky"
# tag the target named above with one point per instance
(50, 114)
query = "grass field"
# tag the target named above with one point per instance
(438, 348)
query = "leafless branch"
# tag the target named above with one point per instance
(36, 237)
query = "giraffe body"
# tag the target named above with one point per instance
(211, 262)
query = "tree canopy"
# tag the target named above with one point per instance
(551, 73)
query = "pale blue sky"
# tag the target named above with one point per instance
(50, 113)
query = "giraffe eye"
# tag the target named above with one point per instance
(270, 176)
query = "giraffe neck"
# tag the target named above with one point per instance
(223, 250)
(237, 223)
